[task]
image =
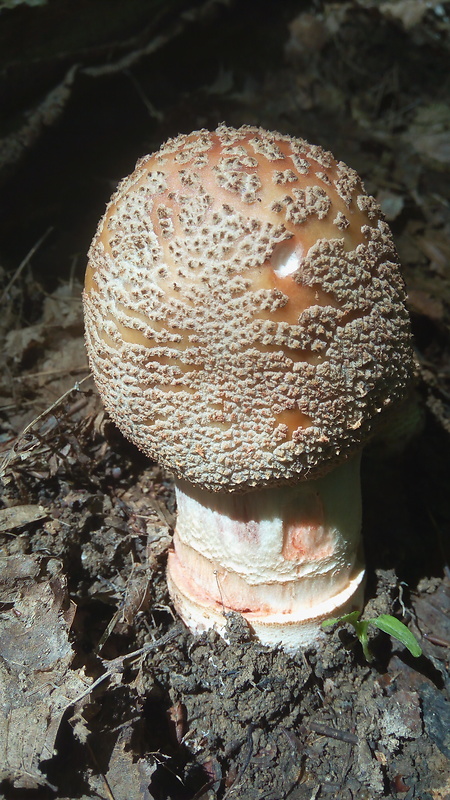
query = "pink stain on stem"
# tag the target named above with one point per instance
(307, 538)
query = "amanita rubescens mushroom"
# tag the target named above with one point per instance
(246, 327)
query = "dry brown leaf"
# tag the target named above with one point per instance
(63, 307)
(127, 777)
(308, 34)
(391, 203)
(423, 303)
(60, 363)
(19, 516)
(429, 134)
(442, 792)
(36, 682)
(435, 244)
(19, 342)
(137, 593)
(408, 12)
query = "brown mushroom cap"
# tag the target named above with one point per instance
(245, 317)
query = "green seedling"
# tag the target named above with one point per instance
(385, 623)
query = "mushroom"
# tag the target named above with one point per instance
(246, 327)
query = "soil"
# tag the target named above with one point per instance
(104, 693)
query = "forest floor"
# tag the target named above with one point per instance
(104, 693)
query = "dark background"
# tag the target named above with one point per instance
(351, 77)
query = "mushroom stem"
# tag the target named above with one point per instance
(284, 557)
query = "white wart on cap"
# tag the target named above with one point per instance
(245, 317)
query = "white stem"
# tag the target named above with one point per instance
(285, 557)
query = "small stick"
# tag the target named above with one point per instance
(333, 733)
(116, 665)
(24, 262)
(8, 457)
(436, 640)
(48, 372)
(108, 789)
(239, 777)
(125, 62)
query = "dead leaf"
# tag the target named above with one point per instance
(408, 12)
(392, 204)
(19, 516)
(421, 302)
(18, 343)
(36, 682)
(62, 309)
(137, 593)
(402, 719)
(308, 34)
(435, 245)
(126, 776)
(429, 133)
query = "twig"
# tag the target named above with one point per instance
(240, 775)
(127, 61)
(152, 110)
(23, 404)
(45, 372)
(108, 789)
(117, 664)
(437, 640)
(7, 459)
(109, 629)
(294, 741)
(333, 733)
(24, 262)
(13, 146)
(205, 788)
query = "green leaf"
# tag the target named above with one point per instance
(351, 618)
(386, 623)
(398, 630)
(361, 628)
